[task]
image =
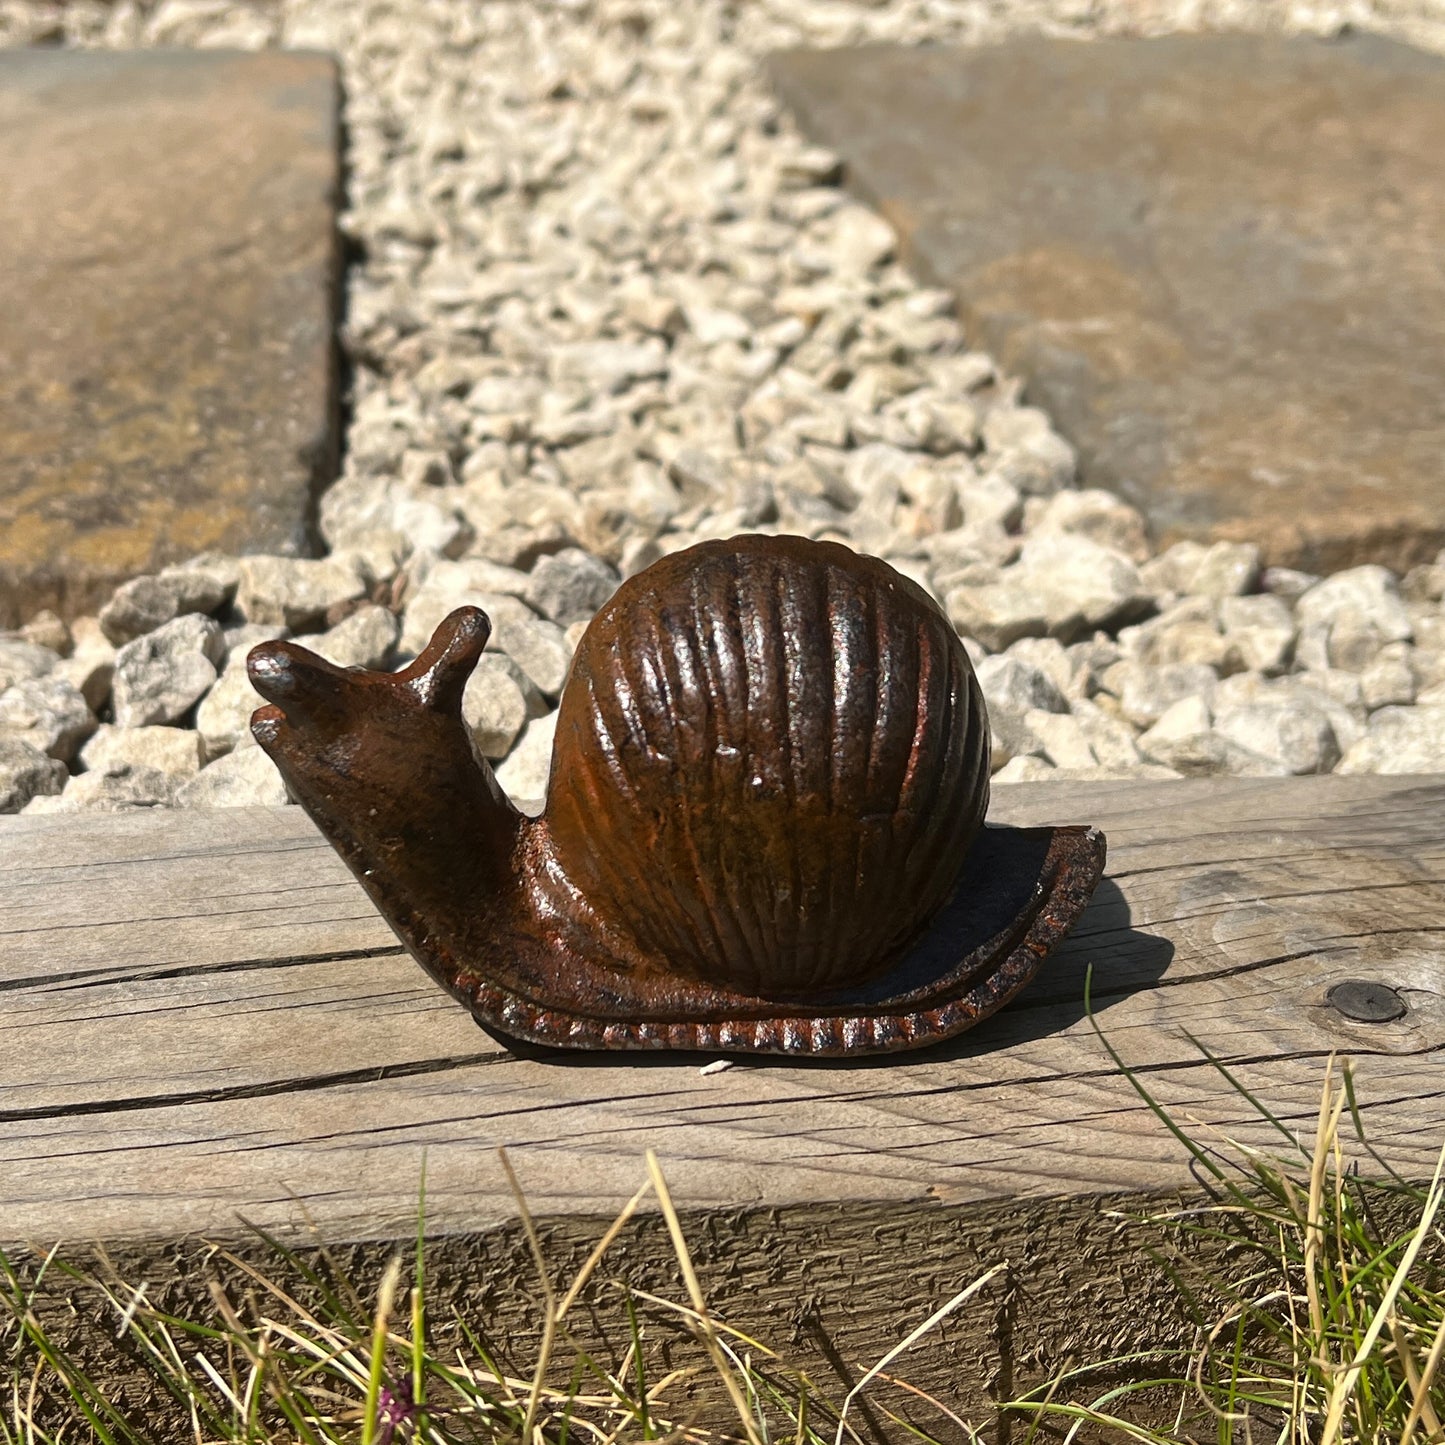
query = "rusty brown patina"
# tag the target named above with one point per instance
(764, 831)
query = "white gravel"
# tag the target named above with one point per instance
(607, 302)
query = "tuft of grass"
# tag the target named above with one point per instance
(268, 1368)
(1332, 1323)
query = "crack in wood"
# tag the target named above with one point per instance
(305, 1084)
(104, 977)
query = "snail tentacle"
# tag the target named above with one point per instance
(442, 669)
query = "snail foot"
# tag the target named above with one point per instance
(1019, 894)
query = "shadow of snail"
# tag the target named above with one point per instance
(764, 830)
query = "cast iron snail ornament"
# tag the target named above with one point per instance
(763, 831)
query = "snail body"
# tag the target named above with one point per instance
(763, 830)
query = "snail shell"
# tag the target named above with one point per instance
(763, 832)
(760, 740)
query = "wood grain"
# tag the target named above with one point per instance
(202, 1018)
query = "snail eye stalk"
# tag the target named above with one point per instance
(310, 691)
(440, 673)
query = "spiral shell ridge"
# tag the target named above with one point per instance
(770, 763)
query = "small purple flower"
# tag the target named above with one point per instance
(393, 1408)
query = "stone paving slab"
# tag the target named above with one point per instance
(168, 278)
(1218, 261)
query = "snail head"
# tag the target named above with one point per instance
(358, 747)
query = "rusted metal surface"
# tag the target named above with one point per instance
(763, 834)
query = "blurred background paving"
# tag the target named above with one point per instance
(1214, 260)
(167, 283)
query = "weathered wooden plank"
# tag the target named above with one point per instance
(201, 1016)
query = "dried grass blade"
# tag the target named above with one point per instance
(1344, 1386)
(603, 1244)
(939, 1315)
(549, 1322)
(1421, 1403)
(385, 1298)
(694, 1290)
(1326, 1127)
